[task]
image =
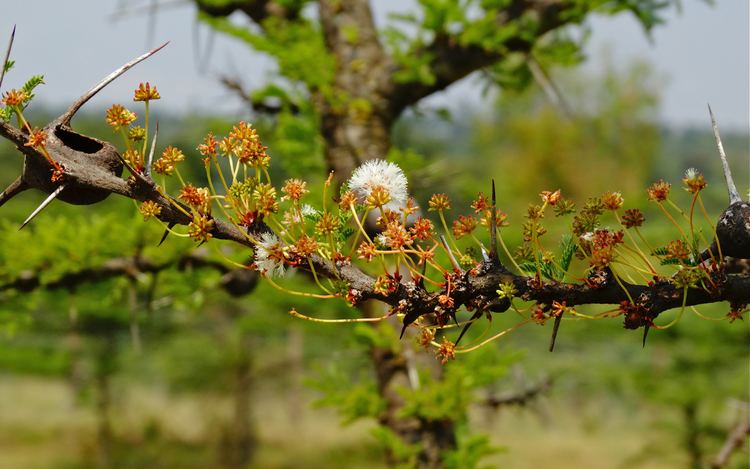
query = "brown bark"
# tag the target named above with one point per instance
(355, 123)
(392, 374)
(238, 441)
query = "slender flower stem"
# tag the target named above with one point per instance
(708, 318)
(315, 276)
(173, 232)
(221, 174)
(635, 243)
(447, 231)
(359, 224)
(679, 314)
(295, 293)
(494, 337)
(671, 219)
(145, 125)
(179, 176)
(507, 252)
(619, 282)
(296, 314)
(713, 228)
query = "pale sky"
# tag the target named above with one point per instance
(703, 53)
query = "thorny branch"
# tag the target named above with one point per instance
(92, 170)
(236, 282)
(520, 398)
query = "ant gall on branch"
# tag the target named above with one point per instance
(370, 241)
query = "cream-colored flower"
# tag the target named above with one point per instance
(380, 174)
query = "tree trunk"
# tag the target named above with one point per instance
(106, 357)
(392, 373)
(356, 121)
(238, 442)
(692, 434)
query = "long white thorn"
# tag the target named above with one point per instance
(7, 55)
(151, 153)
(734, 196)
(41, 206)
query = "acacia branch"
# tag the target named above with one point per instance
(475, 289)
(453, 60)
(237, 282)
(735, 439)
(256, 10)
(261, 106)
(520, 398)
(93, 169)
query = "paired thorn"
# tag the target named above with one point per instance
(7, 54)
(493, 225)
(166, 233)
(454, 262)
(132, 170)
(15, 188)
(734, 196)
(151, 153)
(473, 318)
(645, 334)
(41, 206)
(555, 328)
(68, 115)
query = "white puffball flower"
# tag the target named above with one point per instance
(269, 255)
(379, 173)
(382, 241)
(588, 236)
(691, 173)
(308, 210)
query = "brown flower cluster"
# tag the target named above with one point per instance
(244, 143)
(439, 203)
(601, 244)
(658, 191)
(145, 92)
(118, 116)
(149, 209)
(633, 218)
(197, 197)
(464, 226)
(168, 161)
(294, 189)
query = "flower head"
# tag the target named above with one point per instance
(270, 255)
(658, 191)
(633, 218)
(201, 227)
(149, 209)
(15, 98)
(694, 181)
(446, 351)
(439, 203)
(145, 92)
(382, 178)
(118, 116)
(137, 133)
(36, 139)
(612, 201)
(294, 189)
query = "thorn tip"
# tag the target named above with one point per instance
(41, 206)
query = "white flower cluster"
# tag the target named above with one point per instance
(379, 173)
(269, 255)
(691, 173)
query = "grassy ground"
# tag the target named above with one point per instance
(42, 427)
